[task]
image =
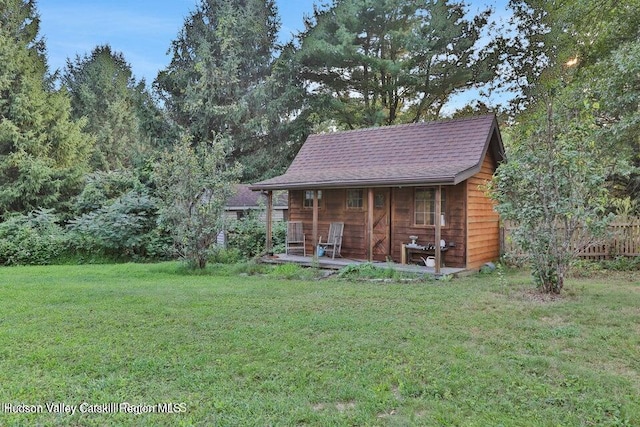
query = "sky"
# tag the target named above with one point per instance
(142, 30)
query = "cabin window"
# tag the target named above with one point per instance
(308, 198)
(425, 206)
(355, 198)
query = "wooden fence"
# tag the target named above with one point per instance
(622, 239)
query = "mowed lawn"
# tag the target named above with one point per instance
(261, 350)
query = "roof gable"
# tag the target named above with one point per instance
(444, 152)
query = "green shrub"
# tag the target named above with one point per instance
(585, 268)
(622, 263)
(279, 237)
(588, 268)
(513, 260)
(35, 238)
(124, 228)
(248, 235)
(222, 255)
(103, 188)
(116, 219)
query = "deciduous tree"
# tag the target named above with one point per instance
(194, 183)
(590, 47)
(552, 187)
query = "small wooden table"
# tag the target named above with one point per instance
(408, 251)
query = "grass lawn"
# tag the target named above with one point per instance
(260, 350)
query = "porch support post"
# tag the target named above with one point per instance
(315, 224)
(370, 224)
(438, 226)
(269, 219)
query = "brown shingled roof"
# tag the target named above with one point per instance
(442, 152)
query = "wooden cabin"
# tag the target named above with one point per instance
(388, 183)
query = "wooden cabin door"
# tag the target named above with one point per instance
(381, 224)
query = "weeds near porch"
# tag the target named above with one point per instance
(363, 271)
(295, 272)
(370, 271)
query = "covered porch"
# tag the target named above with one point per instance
(377, 223)
(339, 263)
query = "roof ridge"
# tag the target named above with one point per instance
(397, 125)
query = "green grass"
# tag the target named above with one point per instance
(262, 350)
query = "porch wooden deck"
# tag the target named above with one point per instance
(338, 263)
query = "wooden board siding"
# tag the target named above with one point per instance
(483, 223)
(333, 208)
(454, 230)
(476, 238)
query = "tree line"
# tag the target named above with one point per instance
(95, 146)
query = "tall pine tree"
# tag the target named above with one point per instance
(380, 62)
(119, 111)
(42, 150)
(223, 79)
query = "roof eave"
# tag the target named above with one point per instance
(468, 173)
(254, 207)
(414, 182)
